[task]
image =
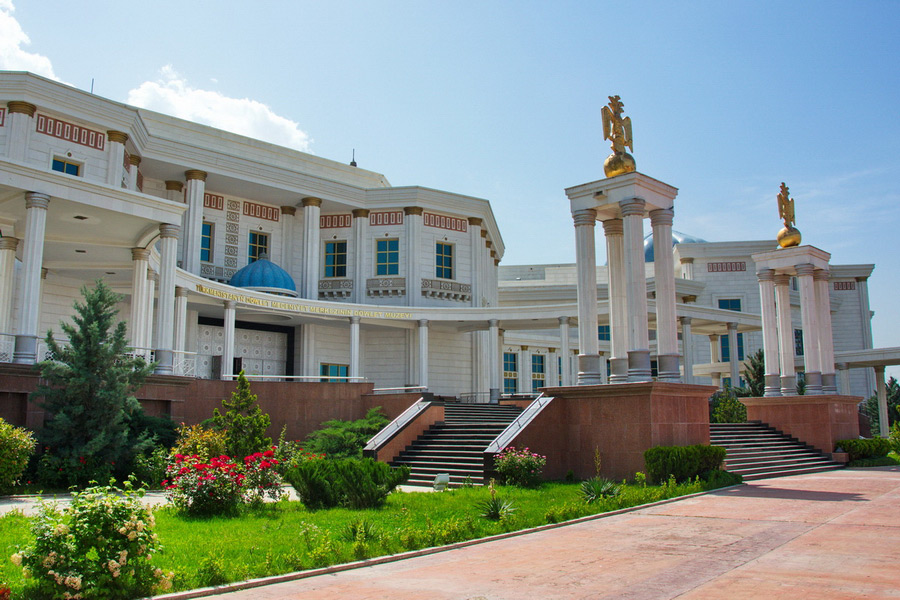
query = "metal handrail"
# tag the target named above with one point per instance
(519, 423)
(408, 388)
(314, 378)
(406, 417)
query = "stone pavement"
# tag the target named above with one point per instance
(825, 536)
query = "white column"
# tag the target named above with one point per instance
(552, 368)
(180, 318)
(175, 193)
(412, 222)
(168, 255)
(149, 309)
(134, 163)
(826, 337)
(564, 352)
(618, 309)
(287, 238)
(715, 356)
(524, 370)
(865, 314)
(664, 275)
(734, 361)
(115, 151)
(844, 378)
(36, 206)
(360, 239)
(636, 290)
(20, 123)
(766, 278)
(193, 220)
(810, 319)
(310, 366)
(785, 334)
(494, 359)
(687, 267)
(311, 213)
(423, 353)
(586, 264)
(881, 394)
(137, 323)
(228, 344)
(687, 349)
(8, 247)
(354, 347)
(476, 246)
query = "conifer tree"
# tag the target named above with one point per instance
(88, 393)
(244, 422)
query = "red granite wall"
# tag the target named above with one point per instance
(815, 420)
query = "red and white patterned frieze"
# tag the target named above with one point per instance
(725, 267)
(2, 116)
(140, 181)
(213, 201)
(333, 221)
(261, 211)
(393, 217)
(844, 286)
(444, 222)
(70, 132)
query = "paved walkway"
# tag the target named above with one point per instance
(825, 536)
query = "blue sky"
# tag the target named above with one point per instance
(501, 100)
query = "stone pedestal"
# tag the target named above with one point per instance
(819, 421)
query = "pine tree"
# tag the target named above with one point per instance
(755, 374)
(244, 422)
(88, 393)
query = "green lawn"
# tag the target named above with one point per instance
(285, 537)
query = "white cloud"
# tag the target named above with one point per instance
(12, 38)
(172, 95)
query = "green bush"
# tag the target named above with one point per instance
(150, 468)
(346, 439)
(195, 440)
(16, 447)
(682, 462)
(349, 482)
(726, 408)
(597, 488)
(522, 468)
(894, 437)
(865, 448)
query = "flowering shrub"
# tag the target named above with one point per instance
(204, 488)
(99, 547)
(16, 446)
(520, 467)
(195, 439)
(261, 477)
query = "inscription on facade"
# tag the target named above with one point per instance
(444, 222)
(725, 267)
(70, 132)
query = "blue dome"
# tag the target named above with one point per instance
(263, 275)
(677, 238)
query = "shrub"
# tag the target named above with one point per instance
(495, 508)
(522, 468)
(682, 462)
(865, 448)
(199, 441)
(99, 547)
(894, 437)
(16, 447)
(244, 423)
(261, 477)
(198, 487)
(350, 482)
(149, 469)
(726, 408)
(346, 439)
(598, 488)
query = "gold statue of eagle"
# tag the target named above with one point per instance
(617, 129)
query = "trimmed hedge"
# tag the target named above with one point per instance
(349, 482)
(682, 462)
(865, 448)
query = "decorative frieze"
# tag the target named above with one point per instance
(445, 222)
(2, 116)
(726, 267)
(386, 286)
(213, 201)
(844, 286)
(70, 132)
(335, 221)
(392, 217)
(261, 211)
(335, 288)
(448, 290)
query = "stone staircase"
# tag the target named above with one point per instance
(757, 451)
(456, 444)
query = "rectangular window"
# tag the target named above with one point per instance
(332, 373)
(798, 342)
(259, 246)
(387, 257)
(67, 167)
(735, 305)
(510, 372)
(336, 259)
(206, 239)
(443, 261)
(537, 372)
(603, 333)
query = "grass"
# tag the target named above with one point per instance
(891, 460)
(285, 537)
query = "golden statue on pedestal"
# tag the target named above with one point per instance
(618, 131)
(790, 235)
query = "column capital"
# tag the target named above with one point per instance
(484, 233)
(587, 216)
(496, 260)
(413, 210)
(289, 210)
(713, 337)
(134, 159)
(662, 216)
(488, 244)
(169, 230)
(19, 107)
(354, 320)
(9, 243)
(690, 299)
(687, 260)
(493, 322)
(732, 327)
(782, 280)
(152, 276)
(311, 201)
(551, 350)
(181, 292)
(475, 221)
(804, 269)
(685, 320)
(195, 174)
(862, 278)
(765, 275)
(119, 137)
(422, 322)
(140, 254)
(632, 208)
(360, 213)
(821, 275)
(44, 272)
(613, 227)
(229, 304)
(37, 200)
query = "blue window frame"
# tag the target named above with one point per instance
(538, 369)
(387, 257)
(443, 255)
(798, 342)
(604, 334)
(259, 246)
(64, 166)
(510, 372)
(330, 372)
(336, 259)
(206, 242)
(735, 305)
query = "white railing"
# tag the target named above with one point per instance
(314, 378)
(7, 347)
(184, 363)
(43, 351)
(395, 390)
(148, 354)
